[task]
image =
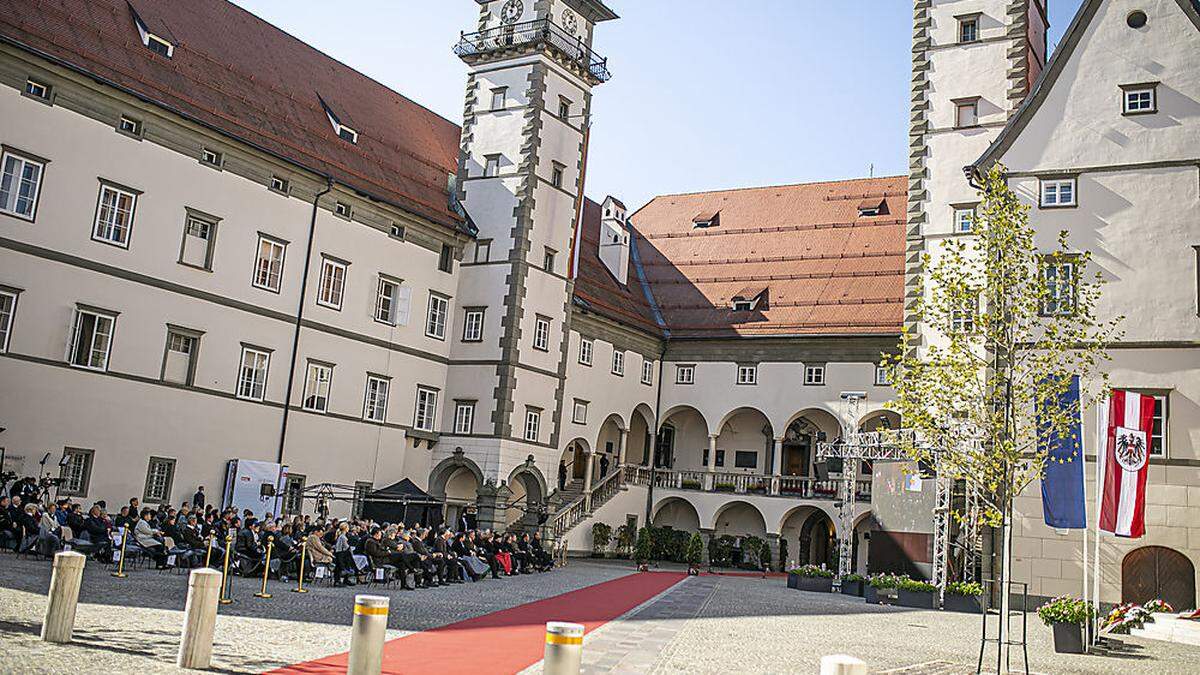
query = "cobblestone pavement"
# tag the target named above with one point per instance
(132, 624)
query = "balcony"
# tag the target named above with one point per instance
(530, 36)
(798, 487)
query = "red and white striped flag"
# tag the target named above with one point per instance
(1126, 420)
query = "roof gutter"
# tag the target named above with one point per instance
(291, 381)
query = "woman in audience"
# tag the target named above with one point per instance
(149, 538)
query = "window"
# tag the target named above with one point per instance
(159, 46)
(745, 459)
(744, 305)
(585, 351)
(91, 339)
(397, 232)
(541, 333)
(159, 476)
(685, 374)
(435, 324)
(747, 375)
(814, 375)
(76, 472)
(533, 424)
(130, 126)
(968, 29)
(341, 209)
(483, 250)
(966, 113)
(268, 268)
(579, 412)
(375, 400)
(1059, 277)
(491, 166)
(199, 241)
(564, 107)
(316, 386)
(473, 326)
(883, 375)
(114, 215)
(647, 371)
(386, 299)
(1139, 99)
(252, 376)
(8, 309)
(19, 185)
(499, 98)
(37, 89)
(347, 134)
(179, 362)
(556, 174)
(720, 458)
(279, 184)
(446, 258)
(293, 494)
(548, 260)
(618, 362)
(464, 417)
(962, 319)
(426, 413)
(1058, 192)
(332, 285)
(210, 157)
(964, 219)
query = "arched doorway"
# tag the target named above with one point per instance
(1158, 572)
(461, 491)
(818, 541)
(682, 440)
(678, 514)
(800, 440)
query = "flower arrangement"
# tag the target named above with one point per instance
(885, 580)
(1065, 609)
(914, 586)
(852, 578)
(1159, 607)
(1125, 618)
(969, 589)
(812, 571)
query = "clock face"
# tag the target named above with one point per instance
(570, 21)
(511, 11)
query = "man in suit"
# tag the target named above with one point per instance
(248, 546)
(198, 498)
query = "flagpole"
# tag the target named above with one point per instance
(1101, 459)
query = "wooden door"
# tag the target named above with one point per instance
(795, 457)
(1157, 572)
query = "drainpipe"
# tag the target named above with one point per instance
(287, 397)
(654, 437)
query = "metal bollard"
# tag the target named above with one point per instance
(266, 569)
(842, 664)
(366, 635)
(120, 573)
(300, 577)
(199, 619)
(64, 596)
(225, 580)
(564, 648)
(208, 553)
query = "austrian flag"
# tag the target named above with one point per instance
(1125, 423)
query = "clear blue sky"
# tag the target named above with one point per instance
(705, 94)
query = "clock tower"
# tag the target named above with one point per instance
(520, 178)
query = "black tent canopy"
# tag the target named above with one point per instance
(402, 502)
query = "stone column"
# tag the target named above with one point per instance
(776, 465)
(587, 480)
(773, 544)
(491, 502)
(711, 466)
(621, 448)
(706, 536)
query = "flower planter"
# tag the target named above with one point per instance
(815, 584)
(879, 596)
(972, 604)
(793, 580)
(854, 588)
(1068, 638)
(921, 599)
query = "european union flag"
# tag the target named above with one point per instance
(1062, 488)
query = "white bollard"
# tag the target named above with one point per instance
(64, 596)
(564, 648)
(842, 664)
(199, 619)
(367, 634)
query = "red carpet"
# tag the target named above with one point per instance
(509, 640)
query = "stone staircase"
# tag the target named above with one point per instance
(576, 507)
(1170, 628)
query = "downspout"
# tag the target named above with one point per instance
(287, 396)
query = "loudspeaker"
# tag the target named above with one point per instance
(266, 490)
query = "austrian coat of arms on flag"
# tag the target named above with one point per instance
(1127, 419)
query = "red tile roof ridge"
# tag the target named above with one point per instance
(775, 187)
(713, 232)
(777, 258)
(781, 277)
(776, 304)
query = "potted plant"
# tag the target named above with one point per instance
(723, 487)
(963, 596)
(694, 554)
(643, 550)
(688, 484)
(1066, 616)
(881, 588)
(811, 578)
(913, 593)
(852, 584)
(601, 538)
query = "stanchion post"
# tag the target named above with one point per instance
(225, 599)
(64, 596)
(266, 569)
(564, 648)
(842, 664)
(208, 553)
(120, 573)
(300, 577)
(367, 633)
(199, 619)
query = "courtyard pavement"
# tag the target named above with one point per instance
(707, 624)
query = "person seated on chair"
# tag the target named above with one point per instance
(318, 552)
(416, 557)
(249, 547)
(288, 552)
(149, 538)
(75, 518)
(544, 560)
(344, 569)
(376, 551)
(125, 518)
(8, 530)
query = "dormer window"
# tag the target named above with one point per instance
(155, 43)
(744, 305)
(707, 219)
(871, 207)
(343, 131)
(749, 298)
(347, 134)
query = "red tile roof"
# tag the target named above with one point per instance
(246, 78)
(827, 270)
(599, 290)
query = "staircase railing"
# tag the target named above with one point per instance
(604, 490)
